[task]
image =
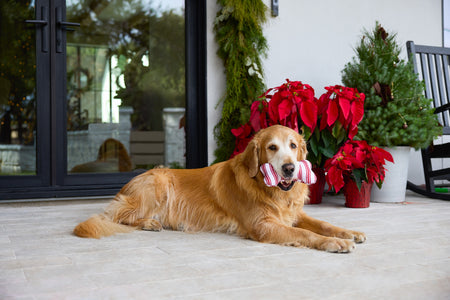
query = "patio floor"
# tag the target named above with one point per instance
(407, 256)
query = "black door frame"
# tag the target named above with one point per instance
(196, 113)
(52, 180)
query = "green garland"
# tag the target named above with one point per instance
(239, 34)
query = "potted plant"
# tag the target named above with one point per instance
(396, 113)
(339, 112)
(326, 122)
(355, 167)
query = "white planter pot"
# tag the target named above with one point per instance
(394, 186)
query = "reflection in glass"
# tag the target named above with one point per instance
(125, 85)
(17, 89)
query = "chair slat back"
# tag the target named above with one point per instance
(435, 72)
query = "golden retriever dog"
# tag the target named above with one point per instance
(229, 197)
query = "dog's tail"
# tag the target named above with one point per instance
(100, 226)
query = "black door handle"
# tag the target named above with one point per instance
(43, 23)
(37, 22)
(69, 24)
(60, 26)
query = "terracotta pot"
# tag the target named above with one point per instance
(355, 198)
(316, 189)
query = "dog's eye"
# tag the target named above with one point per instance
(293, 146)
(273, 148)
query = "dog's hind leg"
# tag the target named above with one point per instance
(141, 201)
(132, 213)
(150, 225)
(126, 210)
(135, 207)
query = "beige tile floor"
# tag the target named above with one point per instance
(407, 256)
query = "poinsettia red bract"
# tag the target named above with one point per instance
(342, 104)
(326, 122)
(286, 105)
(358, 161)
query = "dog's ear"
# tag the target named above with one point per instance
(302, 150)
(250, 157)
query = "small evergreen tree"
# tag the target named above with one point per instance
(396, 113)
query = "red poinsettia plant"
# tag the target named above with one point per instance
(285, 105)
(326, 122)
(340, 110)
(357, 161)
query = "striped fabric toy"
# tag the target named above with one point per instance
(305, 174)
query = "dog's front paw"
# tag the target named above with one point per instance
(337, 245)
(358, 237)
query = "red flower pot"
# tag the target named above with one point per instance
(355, 198)
(316, 189)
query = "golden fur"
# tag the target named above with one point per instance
(227, 197)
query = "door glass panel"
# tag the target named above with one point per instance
(17, 89)
(125, 85)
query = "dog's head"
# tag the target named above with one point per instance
(280, 146)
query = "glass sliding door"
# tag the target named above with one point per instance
(94, 92)
(24, 51)
(125, 85)
(17, 90)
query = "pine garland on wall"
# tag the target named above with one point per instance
(239, 34)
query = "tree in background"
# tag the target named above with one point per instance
(396, 113)
(149, 44)
(17, 73)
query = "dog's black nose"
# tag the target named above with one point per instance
(288, 170)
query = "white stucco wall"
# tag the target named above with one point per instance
(215, 78)
(311, 41)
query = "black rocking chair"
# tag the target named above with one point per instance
(434, 64)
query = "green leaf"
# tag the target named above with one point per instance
(314, 147)
(358, 175)
(326, 151)
(306, 133)
(339, 133)
(336, 130)
(327, 138)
